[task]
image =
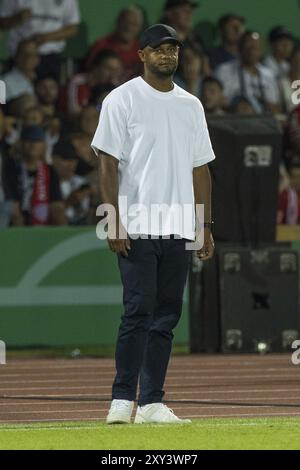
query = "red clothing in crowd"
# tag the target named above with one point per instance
(288, 211)
(129, 57)
(75, 95)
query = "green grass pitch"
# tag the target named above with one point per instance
(209, 434)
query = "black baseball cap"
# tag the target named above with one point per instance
(158, 34)
(175, 3)
(279, 32)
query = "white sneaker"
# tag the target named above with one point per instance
(157, 413)
(120, 412)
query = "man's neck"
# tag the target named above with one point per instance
(126, 43)
(160, 84)
(278, 59)
(29, 74)
(31, 165)
(231, 48)
(252, 69)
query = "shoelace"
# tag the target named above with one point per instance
(168, 409)
(120, 405)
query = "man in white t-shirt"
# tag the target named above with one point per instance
(246, 77)
(49, 22)
(154, 146)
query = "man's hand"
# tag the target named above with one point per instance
(207, 251)
(121, 243)
(40, 39)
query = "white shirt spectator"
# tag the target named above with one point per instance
(47, 16)
(278, 70)
(17, 84)
(256, 87)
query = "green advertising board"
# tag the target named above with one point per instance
(60, 287)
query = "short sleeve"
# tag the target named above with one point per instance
(111, 130)
(8, 8)
(72, 13)
(203, 151)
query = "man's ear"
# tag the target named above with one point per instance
(141, 54)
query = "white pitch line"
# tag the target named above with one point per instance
(231, 415)
(98, 410)
(201, 381)
(99, 364)
(192, 392)
(240, 415)
(199, 376)
(47, 420)
(175, 405)
(19, 428)
(180, 371)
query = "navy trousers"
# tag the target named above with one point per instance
(153, 277)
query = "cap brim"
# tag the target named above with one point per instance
(283, 35)
(164, 41)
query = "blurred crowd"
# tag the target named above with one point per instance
(48, 172)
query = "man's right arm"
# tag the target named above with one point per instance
(109, 190)
(13, 21)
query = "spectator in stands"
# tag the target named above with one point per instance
(212, 96)
(124, 41)
(231, 28)
(193, 67)
(33, 185)
(282, 43)
(34, 117)
(74, 188)
(179, 15)
(47, 91)
(16, 110)
(88, 121)
(99, 94)
(247, 77)
(20, 80)
(286, 83)
(5, 205)
(18, 107)
(241, 105)
(106, 70)
(49, 23)
(288, 211)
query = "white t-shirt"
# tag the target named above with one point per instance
(278, 70)
(158, 138)
(229, 75)
(47, 16)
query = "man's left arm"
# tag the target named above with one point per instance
(60, 35)
(71, 20)
(202, 195)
